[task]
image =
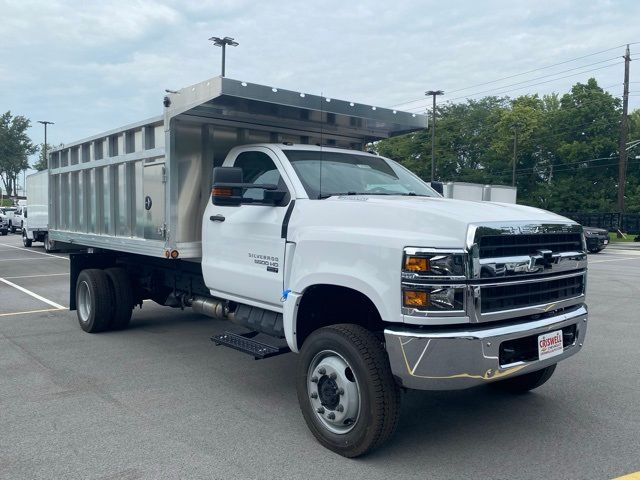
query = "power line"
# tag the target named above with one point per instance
(520, 88)
(524, 81)
(526, 72)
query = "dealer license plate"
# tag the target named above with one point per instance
(550, 344)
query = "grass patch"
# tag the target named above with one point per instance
(613, 237)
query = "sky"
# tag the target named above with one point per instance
(90, 66)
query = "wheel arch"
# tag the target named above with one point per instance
(323, 304)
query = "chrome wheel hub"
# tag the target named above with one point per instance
(334, 392)
(84, 302)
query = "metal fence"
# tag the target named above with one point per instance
(627, 222)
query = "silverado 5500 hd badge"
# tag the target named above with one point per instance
(272, 263)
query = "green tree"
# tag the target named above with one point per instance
(43, 163)
(15, 148)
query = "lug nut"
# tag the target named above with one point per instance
(314, 395)
(333, 376)
(341, 391)
(340, 408)
(322, 371)
(331, 416)
(314, 379)
(320, 410)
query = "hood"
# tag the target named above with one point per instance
(413, 221)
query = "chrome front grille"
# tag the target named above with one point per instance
(496, 298)
(525, 269)
(495, 246)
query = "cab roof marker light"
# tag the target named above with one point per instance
(274, 90)
(244, 84)
(302, 95)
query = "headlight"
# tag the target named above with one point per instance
(430, 263)
(434, 298)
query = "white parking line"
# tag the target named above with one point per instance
(34, 295)
(33, 251)
(29, 311)
(613, 260)
(34, 276)
(23, 259)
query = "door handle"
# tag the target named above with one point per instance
(217, 218)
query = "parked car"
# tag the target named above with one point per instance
(9, 213)
(4, 223)
(597, 238)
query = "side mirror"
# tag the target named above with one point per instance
(274, 197)
(223, 193)
(228, 187)
(438, 187)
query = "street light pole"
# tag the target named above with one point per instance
(223, 42)
(433, 93)
(45, 123)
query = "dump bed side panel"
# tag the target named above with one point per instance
(108, 190)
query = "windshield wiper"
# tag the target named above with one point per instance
(346, 194)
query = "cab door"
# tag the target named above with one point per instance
(243, 247)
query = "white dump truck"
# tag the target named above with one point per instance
(259, 205)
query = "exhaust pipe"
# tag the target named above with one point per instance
(209, 307)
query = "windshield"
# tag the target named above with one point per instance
(352, 174)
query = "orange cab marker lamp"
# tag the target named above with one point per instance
(174, 254)
(221, 192)
(416, 264)
(415, 298)
(167, 253)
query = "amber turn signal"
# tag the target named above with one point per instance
(221, 192)
(414, 298)
(416, 264)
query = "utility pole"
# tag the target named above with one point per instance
(622, 169)
(223, 42)
(515, 153)
(433, 93)
(45, 123)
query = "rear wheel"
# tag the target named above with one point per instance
(122, 297)
(25, 241)
(526, 382)
(94, 300)
(347, 394)
(12, 229)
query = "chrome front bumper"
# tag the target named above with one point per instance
(452, 359)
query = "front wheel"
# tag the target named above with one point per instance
(347, 394)
(25, 241)
(526, 382)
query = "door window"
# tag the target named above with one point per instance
(257, 168)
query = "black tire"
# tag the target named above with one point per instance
(49, 245)
(94, 300)
(525, 383)
(379, 394)
(5, 232)
(25, 241)
(122, 297)
(12, 229)
(595, 250)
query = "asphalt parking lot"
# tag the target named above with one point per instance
(160, 401)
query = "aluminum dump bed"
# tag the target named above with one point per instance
(143, 188)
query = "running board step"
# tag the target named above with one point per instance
(243, 342)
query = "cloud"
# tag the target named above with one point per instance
(92, 66)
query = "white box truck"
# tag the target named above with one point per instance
(259, 205)
(36, 211)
